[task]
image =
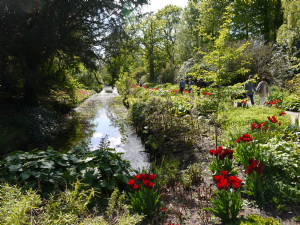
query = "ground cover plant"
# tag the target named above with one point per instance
(49, 171)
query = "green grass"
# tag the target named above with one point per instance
(237, 121)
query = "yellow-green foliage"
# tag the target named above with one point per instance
(69, 207)
(15, 207)
(294, 85)
(238, 120)
(116, 211)
(254, 219)
(257, 220)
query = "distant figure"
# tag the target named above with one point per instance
(181, 85)
(263, 90)
(141, 82)
(190, 84)
(198, 83)
(249, 86)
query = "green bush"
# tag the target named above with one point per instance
(15, 207)
(254, 219)
(50, 170)
(67, 207)
(281, 158)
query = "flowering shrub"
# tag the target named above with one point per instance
(143, 198)
(222, 160)
(228, 203)
(254, 182)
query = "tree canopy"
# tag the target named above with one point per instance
(41, 39)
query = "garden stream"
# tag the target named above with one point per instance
(103, 116)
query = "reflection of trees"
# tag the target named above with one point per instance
(80, 127)
(77, 129)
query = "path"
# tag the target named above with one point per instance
(293, 115)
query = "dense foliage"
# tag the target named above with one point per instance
(50, 170)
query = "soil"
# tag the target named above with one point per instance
(185, 206)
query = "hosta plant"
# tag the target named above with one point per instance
(102, 168)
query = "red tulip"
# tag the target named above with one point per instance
(146, 182)
(136, 187)
(150, 185)
(146, 176)
(139, 177)
(131, 183)
(151, 177)
(224, 173)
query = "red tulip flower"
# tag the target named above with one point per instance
(150, 185)
(136, 187)
(146, 182)
(151, 177)
(139, 177)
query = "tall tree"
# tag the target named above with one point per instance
(289, 31)
(169, 19)
(150, 39)
(256, 18)
(188, 33)
(34, 33)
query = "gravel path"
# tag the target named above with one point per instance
(293, 115)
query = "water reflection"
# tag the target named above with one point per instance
(107, 117)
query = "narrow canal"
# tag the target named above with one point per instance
(103, 116)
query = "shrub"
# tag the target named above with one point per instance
(49, 170)
(68, 207)
(15, 207)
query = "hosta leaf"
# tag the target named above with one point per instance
(26, 174)
(65, 157)
(31, 163)
(73, 158)
(14, 168)
(48, 165)
(103, 183)
(88, 159)
(62, 163)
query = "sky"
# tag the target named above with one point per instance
(159, 4)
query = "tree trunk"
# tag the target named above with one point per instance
(151, 62)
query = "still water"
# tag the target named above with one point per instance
(106, 117)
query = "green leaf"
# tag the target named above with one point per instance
(48, 165)
(50, 148)
(103, 183)
(26, 174)
(88, 159)
(14, 168)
